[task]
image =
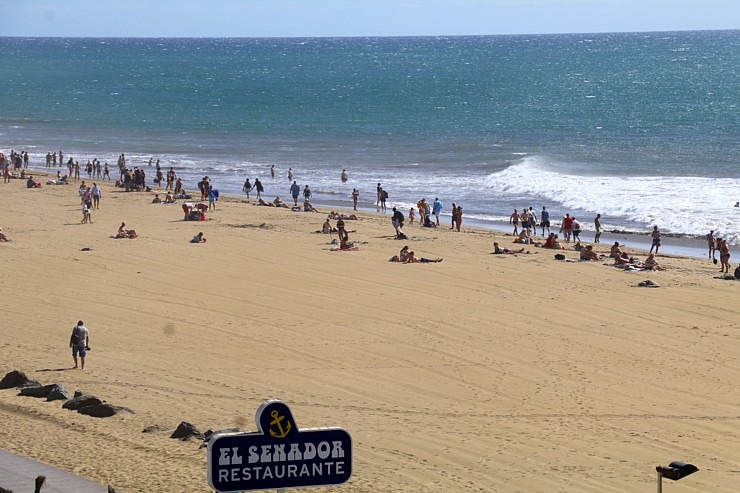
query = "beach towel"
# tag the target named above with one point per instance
(350, 249)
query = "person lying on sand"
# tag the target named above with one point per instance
(652, 264)
(348, 217)
(500, 251)
(412, 259)
(198, 238)
(125, 233)
(408, 257)
(588, 253)
(2, 236)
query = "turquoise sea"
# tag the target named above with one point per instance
(642, 128)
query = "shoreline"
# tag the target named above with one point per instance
(675, 244)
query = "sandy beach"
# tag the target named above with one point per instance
(490, 373)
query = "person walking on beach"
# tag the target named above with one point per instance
(295, 191)
(258, 186)
(597, 225)
(567, 227)
(422, 208)
(712, 245)
(379, 189)
(458, 220)
(355, 197)
(532, 221)
(106, 171)
(247, 187)
(724, 255)
(437, 209)
(79, 341)
(514, 219)
(212, 198)
(656, 240)
(96, 194)
(383, 198)
(306, 193)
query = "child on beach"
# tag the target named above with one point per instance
(411, 216)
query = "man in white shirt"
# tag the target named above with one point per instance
(80, 343)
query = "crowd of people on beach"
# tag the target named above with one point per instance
(525, 223)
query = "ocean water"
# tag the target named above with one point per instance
(642, 128)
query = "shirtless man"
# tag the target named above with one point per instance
(514, 219)
(597, 225)
(588, 253)
(355, 196)
(524, 218)
(656, 240)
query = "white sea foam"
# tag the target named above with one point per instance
(677, 204)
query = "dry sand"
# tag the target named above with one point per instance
(481, 373)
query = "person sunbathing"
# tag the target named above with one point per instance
(326, 228)
(198, 238)
(169, 199)
(156, 199)
(588, 253)
(125, 233)
(615, 250)
(652, 264)
(413, 259)
(523, 237)
(307, 207)
(500, 251)
(2, 236)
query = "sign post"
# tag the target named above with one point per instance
(279, 455)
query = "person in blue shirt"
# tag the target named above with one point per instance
(212, 198)
(295, 191)
(436, 209)
(545, 220)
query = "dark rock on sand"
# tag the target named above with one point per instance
(648, 284)
(42, 391)
(80, 402)
(103, 410)
(58, 393)
(30, 383)
(13, 379)
(185, 430)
